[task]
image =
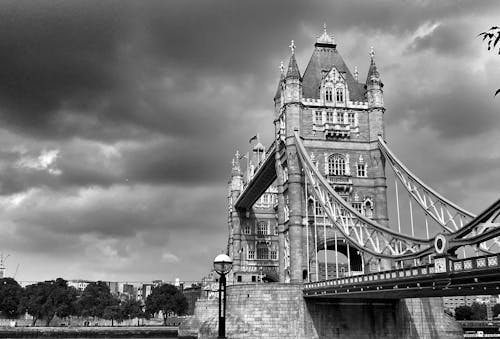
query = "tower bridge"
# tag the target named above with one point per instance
(312, 213)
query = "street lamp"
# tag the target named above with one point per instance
(222, 265)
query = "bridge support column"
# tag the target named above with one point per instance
(295, 195)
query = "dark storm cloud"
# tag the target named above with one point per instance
(94, 59)
(54, 53)
(146, 103)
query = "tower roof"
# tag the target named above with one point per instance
(293, 68)
(372, 71)
(282, 76)
(325, 56)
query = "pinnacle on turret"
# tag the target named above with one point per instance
(374, 85)
(282, 76)
(236, 170)
(373, 74)
(293, 68)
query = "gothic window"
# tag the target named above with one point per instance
(318, 118)
(340, 117)
(274, 255)
(266, 199)
(361, 170)
(251, 254)
(329, 94)
(329, 117)
(336, 165)
(368, 208)
(340, 95)
(275, 230)
(358, 207)
(318, 210)
(262, 228)
(246, 229)
(351, 117)
(262, 252)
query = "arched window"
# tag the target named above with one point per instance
(329, 94)
(336, 165)
(368, 208)
(340, 95)
(262, 252)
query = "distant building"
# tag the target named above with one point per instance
(113, 287)
(451, 303)
(80, 285)
(145, 291)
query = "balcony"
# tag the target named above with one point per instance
(342, 183)
(337, 130)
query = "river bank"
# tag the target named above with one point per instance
(89, 332)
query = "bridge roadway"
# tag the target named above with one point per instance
(469, 276)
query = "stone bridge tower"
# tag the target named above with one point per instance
(339, 120)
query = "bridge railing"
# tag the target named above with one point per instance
(450, 266)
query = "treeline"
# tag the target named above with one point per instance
(45, 300)
(476, 311)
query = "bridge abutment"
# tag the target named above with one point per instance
(280, 311)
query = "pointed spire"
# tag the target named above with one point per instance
(292, 47)
(236, 163)
(373, 74)
(356, 73)
(282, 76)
(293, 68)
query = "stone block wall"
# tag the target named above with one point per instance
(275, 311)
(280, 311)
(425, 318)
(421, 318)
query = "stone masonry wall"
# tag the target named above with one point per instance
(275, 311)
(280, 311)
(385, 319)
(425, 318)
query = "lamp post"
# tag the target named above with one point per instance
(222, 265)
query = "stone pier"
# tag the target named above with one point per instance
(280, 311)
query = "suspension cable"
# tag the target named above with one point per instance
(316, 240)
(325, 246)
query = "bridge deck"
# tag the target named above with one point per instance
(471, 276)
(262, 179)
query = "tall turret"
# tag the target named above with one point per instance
(235, 187)
(375, 97)
(278, 97)
(292, 81)
(374, 85)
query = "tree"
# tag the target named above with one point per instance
(94, 300)
(492, 36)
(48, 299)
(478, 311)
(167, 299)
(10, 297)
(463, 313)
(113, 312)
(131, 309)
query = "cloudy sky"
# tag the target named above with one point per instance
(118, 120)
